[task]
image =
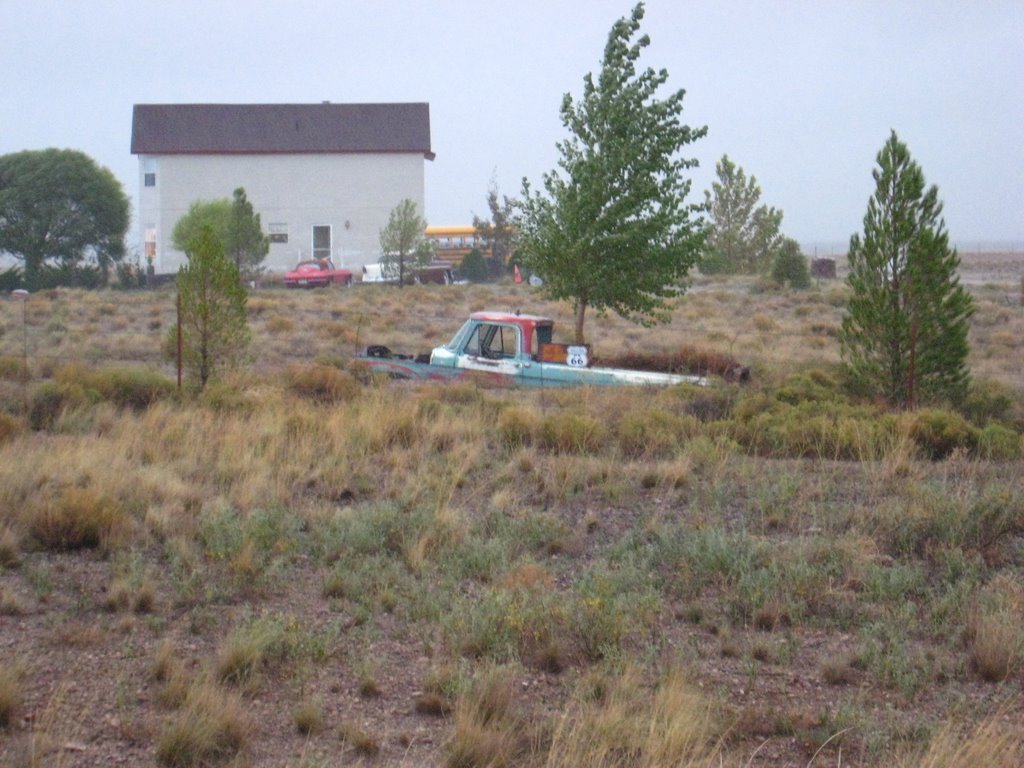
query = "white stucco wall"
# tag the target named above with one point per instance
(353, 194)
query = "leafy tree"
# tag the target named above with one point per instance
(744, 237)
(403, 244)
(904, 336)
(57, 206)
(215, 334)
(790, 265)
(614, 231)
(497, 231)
(235, 224)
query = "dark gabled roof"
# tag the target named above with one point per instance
(244, 129)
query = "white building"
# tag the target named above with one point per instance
(322, 177)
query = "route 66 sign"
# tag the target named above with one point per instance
(576, 357)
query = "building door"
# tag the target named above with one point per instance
(321, 241)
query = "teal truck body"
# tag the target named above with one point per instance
(509, 348)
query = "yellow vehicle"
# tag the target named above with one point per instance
(453, 243)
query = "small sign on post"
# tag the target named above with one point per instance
(576, 357)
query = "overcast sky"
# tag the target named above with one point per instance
(800, 94)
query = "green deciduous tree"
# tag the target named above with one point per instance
(215, 334)
(497, 231)
(403, 244)
(235, 224)
(904, 336)
(744, 237)
(57, 206)
(613, 230)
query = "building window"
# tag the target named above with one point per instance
(149, 172)
(278, 232)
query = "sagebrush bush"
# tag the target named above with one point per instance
(939, 432)
(987, 400)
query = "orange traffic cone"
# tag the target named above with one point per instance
(519, 278)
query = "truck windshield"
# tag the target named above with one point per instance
(459, 339)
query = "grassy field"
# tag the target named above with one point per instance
(307, 567)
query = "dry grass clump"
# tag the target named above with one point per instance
(616, 722)
(133, 387)
(995, 630)
(211, 726)
(308, 716)
(249, 648)
(996, 742)
(79, 518)
(362, 741)
(10, 547)
(488, 728)
(323, 384)
(10, 691)
(572, 433)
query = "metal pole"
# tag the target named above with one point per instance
(178, 303)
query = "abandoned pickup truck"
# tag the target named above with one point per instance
(512, 348)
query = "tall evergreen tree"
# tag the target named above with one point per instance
(246, 244)
(904, 336)
(614, 232)
(215, 334)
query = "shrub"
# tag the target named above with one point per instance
(323, 384)
(999, 443)
(987, 400)
(939, 432)
(11, 280)
(49, 400)
(653, 433)
(136, 388)
(474, 267)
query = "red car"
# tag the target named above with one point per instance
(317, 273)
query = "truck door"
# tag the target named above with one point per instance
(493, 348)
